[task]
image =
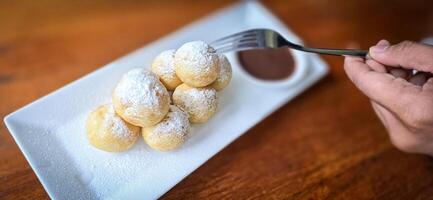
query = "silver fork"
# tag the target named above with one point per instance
(267, 38)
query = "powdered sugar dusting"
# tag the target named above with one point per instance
(225, 72)
(138, 88)
(198, 56)
(117, 125)
(176, 122)
(102, 173)
(198, 101)
(163, 64)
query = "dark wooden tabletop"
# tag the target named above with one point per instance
(326, 144)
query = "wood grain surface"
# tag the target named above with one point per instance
(326, 144)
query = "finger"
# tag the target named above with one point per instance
(419, 79)
(399, 134)
(428, 86)
(380, 43)
(396, 72)
(408, 55)
(374, 65)
(399, 73)
(395, 94)
(380, 114)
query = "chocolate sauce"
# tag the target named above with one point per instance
(267, 64)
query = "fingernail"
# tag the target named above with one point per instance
(368, 57)
(379, 48)
(383, 42)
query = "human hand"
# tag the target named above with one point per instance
(403, 101)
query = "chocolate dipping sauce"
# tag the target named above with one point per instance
(267, 64)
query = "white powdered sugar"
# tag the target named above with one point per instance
(100, 173)
(139, 88)
(164, 64)
(116, 125)
(225, 72)
(198, 56)
(176, 122)
(199, 100)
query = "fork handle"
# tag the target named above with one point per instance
(338, 52)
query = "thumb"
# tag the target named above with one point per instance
(407, 54)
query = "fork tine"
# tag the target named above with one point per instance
(240, 34)
(224, 50)
(238, 47)
(249, 34)
(235, 45)
(236, 42)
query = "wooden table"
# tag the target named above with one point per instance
(327, 143)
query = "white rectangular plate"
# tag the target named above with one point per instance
(51, 134)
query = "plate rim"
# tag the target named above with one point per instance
(11, 120)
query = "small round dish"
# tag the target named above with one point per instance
(299, 71)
